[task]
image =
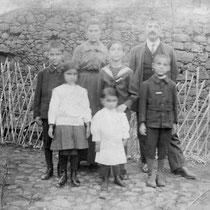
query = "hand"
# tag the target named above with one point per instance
(174, 129)
(98, 146)
(143, 129)
(121, 108)
(125, 141)
(38, 120)
(50, 131)
(87, 130)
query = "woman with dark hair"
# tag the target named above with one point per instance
(90, 57)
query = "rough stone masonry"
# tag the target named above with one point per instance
(25, 32)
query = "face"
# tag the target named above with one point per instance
(110, 102)
(161, 66)
(93, 33)
(116, 52)
(153, 30)
(71, 76)
(55, 56)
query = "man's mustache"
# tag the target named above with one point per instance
(152, 33)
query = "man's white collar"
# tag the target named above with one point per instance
(150, 44)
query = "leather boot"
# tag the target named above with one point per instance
(160, 179)
(47, 174)
(58, 170)
(151, 174)
(119, 181)
(63, 179)
(74, 179)
(104, 183)
(48, 159)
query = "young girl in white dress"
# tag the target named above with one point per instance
(110, 129)
(70, 114)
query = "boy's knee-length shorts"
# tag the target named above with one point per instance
(158, 138)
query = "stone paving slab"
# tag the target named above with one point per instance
(26, 191)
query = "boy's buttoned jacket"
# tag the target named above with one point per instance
(158, 104)
(47, 80)
(136, 63)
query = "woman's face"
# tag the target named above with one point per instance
(93, 33)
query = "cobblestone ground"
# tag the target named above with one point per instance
(25, 190)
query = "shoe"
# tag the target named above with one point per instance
(47, 174)
(104, 184)
(74, 179)
(160, 180)
(93, 167)
(144, 168)
(151, 180)
(151, 174)
(119, 181)
(62, 181)
(185, 173)
(124, 176)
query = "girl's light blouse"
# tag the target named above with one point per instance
(69, 105)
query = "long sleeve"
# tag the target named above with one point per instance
(95, 128)
(38, 95)
(53, 108)
(132, 61)
(175, 105)
(77, 56)
(125, 126)
(174, 67)
(100, 87)
(143, 102)
(132, 90)
(87, 113)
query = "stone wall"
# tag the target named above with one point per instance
(25, 32)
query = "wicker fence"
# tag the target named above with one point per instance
(18, 127)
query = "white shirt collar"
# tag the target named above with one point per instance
(150, 44)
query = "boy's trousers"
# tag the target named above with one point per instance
(175, 154)
(47, 143)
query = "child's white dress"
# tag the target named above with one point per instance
(110, 128)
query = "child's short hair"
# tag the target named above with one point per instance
(115, 42)
(69, 65)
(109, 91)
(93, 21)
(159, 56)
(55, 44)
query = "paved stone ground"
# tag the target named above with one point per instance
(25, 190)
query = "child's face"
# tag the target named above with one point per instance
(153, 30)
(110, 102)
(55, 56)
(93, 33)
(71, 76)
(161, 66)
(116, 52)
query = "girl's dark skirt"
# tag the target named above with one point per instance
(89, 80)
(69, 139)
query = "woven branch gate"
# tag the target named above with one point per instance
(18, 127)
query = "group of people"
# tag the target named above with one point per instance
(85, 104)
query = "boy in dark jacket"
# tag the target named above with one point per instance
(158, 117)
(48, 79)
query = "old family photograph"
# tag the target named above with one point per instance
(105, 105)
